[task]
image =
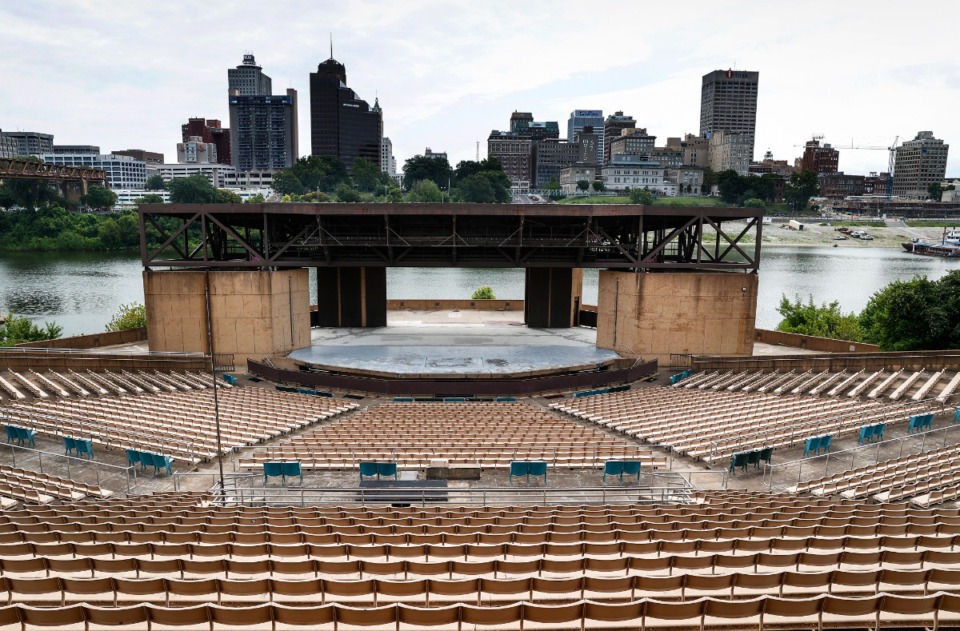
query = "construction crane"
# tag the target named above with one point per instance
(891, 161)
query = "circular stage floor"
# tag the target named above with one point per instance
(445, 342)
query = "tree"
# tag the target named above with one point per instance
(311, 173)
(466, 168)
(149, 198)
(195, 189)
(583, 185)
(552, 185)
(132, 316)
(483, 293)
(935, 191)
(477, 189)
(425, 191)
(366, 174)
(394, 195)
(598, 186)
(731, 186)
(346, 193)
(155, 183)
(255, 199)
(800, 188)
(709, 180)
(824, 321)
(754, 202)
(315, 197)
(17, 330)
(286, 182)
(99, 197)
(641, 196)
(420, 168)
(228, 197)
(918, 314)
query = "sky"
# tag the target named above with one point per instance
(126, 74)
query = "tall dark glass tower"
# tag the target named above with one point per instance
(341, 123)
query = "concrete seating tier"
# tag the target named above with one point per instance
(735, 560)
(22, 481)
(894, 479)
(18, 386)
(487, 435)
(714, 425)
(900, 385)
(179, 424)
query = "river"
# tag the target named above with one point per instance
(81, 291)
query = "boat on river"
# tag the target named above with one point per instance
(947, 247)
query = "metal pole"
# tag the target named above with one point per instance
(213, 376)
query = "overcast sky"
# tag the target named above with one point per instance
(127, 74)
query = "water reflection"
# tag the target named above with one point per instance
(82, 291)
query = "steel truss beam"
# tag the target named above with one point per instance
(443, 235)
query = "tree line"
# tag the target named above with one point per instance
(916, 314)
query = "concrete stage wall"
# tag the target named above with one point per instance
(255, 314)
(655, 315)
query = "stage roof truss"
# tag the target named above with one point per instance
(255, 236)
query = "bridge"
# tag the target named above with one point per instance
(13, 168)
(691, 258)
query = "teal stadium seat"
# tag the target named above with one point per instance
(631, 467)
(272, 470)
(292, 469)
(613, 468)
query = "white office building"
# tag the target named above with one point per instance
(629, 172)
(122, 171)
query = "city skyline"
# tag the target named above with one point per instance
(122, 76)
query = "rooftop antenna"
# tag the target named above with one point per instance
(331, 45)
(478, 151)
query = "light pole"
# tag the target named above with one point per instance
(213, 376)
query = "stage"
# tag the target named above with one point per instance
(453, 342)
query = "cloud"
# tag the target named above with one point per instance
(128, 74)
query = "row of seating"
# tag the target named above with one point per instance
(89, 383)
(485, 434)
(157, 423)
(819, 610)
(894, 385)
(715, 425)
(620, 544)
(406, 569)
(58, 591)
(896, 473)
(53, 486)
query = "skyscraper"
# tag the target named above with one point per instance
(579, 119)
(263, 131)
(263, 126)
(249, 79)
(918, 164)
(728, 103)
(341, 123)
(613, 128)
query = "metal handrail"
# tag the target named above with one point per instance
(769, 469)
(126, 470)
(716, 453)
(476, 496)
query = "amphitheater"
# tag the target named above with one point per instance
(115, 516)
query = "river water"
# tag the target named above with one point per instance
(81, 291)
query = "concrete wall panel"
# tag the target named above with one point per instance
(251, 311)
(655, 315)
